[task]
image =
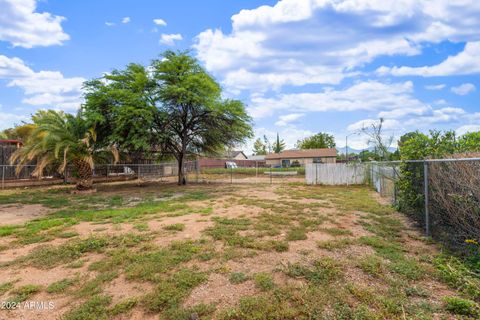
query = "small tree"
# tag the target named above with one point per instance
(378, 140)
(317, 141)
(259, 148)
(279, 145)
(268, 145)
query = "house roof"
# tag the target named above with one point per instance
(10, 141)
(307, 153)
(233, 154)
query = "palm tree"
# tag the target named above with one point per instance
(60, 139)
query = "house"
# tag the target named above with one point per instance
(258, 157)
(11, 143)
(288, 158)
(236, 155)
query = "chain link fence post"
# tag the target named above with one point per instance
(3, 177)
(197, 169)
(425, 186)
(271, 174)
(394, 185)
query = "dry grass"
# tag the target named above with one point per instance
(284, 251)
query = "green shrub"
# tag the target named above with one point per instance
(461, 306)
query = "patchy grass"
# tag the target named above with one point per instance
(264, 281)
(318, 272)
(24, 292)
(297, 234)
(175, 227)
(264, 236)
(62, 285)
(238, 277)
(336, 244)
(461, 306)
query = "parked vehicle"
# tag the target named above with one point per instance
(230, 165)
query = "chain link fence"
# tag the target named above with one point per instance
(168, 171)
(441, 195)
(260, 173)
(10, 177)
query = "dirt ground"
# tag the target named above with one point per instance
(155, 251)
(17, 214)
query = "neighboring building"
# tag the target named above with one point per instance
(11, 142)
(303, 157)
(259, 157)
(236, 155)
(7, 148)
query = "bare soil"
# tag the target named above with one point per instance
(17, 214)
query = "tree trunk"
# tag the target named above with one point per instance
(181, 170)
(85, 175)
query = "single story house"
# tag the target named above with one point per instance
(258, 157)
(286, 158)
(236, 155)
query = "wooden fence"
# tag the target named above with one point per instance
(335, 173)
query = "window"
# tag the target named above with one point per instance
(317, 160)
(285, 163)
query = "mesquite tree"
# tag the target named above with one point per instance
(172, 106)
(193, 118)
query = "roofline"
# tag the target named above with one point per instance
(297, 157)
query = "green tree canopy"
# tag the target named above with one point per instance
(317, 141)
(193, 116)
(20, 132)
(122, 106)
(174, 106)
(259, 147)
(469, 142)
(278, 145)
(60, 139)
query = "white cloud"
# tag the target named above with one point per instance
(7, 120)
(110, 24)
(160, 22)
(126, 20)
(365, 96)
(169, 39)
(435, 86)
(288, 118)
(465, 62)
(463, 89)
(388, 124)
(288, 134)
(48, 88)
(22, 26)
(322, 41)
(467, 128)
(446, 115)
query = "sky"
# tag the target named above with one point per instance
(300, 66)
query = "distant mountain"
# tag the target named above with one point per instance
(352, 150)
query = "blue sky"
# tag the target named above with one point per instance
(301, 66)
